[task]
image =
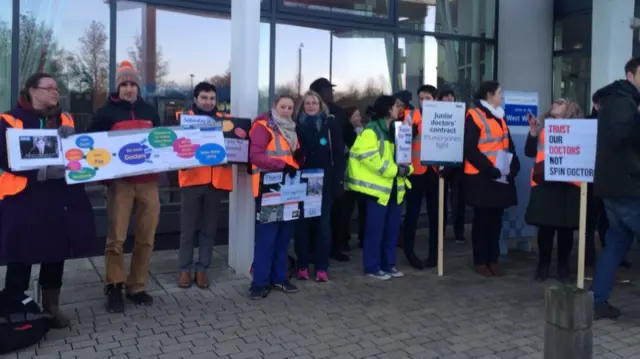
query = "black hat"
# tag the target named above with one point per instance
(405, 97)
(321, 84)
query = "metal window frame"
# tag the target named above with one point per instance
(15, 51)
(389, 21)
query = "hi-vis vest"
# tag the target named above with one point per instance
(494, 137)
(219, 177)
(372, 168)
(410, 118)
(540, 158)
(278, 147)
(10, 184)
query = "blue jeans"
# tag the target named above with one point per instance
(271, 253)
(381, 234)
(321, 227)
(624, 225)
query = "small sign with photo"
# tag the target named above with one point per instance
(31, 149)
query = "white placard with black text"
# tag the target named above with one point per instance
(570, 149)
(442, 139)
(403, 143)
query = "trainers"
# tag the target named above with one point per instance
(303, 274)
(140, 298)
(286, 287)
(322, 276)
(394, 272)
(605, 311)
(259, 293)
(379, 275)
(115, 299)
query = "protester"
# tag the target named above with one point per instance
(553, 207)
(424, 183)
(323, 147)
(324, 88)
(274, 147)
(201, 192)
(615, 179)
(374, 173)
(486, 188)
(42, 219)
(126, 110)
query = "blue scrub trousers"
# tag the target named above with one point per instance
(271, 253)
(381, 233)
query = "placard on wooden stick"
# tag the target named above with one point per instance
(570, 156)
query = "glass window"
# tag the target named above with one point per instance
(6, 14)
(572, 78)
(172, 59)
(573, 33)
(460, 17)
(459, 65)
(368, 8)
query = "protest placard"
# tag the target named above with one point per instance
(570, 149)
(283, 198)
(115, 154)
(235, 131)
(442, 139)
(30, 149)
(403, 143)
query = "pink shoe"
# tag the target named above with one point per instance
(322, 276)
(303, 274)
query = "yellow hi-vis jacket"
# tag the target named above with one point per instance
(372, 167)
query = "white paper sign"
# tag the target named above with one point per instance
(442, 141)
(403, 143)
(31, 149)
(570, 149)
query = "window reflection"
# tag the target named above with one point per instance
(573, 33)
(461, 17)
(379, 8)
(572, 78)
(6, 12)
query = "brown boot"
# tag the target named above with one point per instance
(484, 271)
(201, 280)
(185, 280)
(51, 305)
(496, 270)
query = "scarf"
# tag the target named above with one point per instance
(287, 128)
(315, 121)
(49, 116)
(497, 112)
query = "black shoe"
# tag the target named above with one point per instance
(259, 293)
(286, 287)
(605, 311)
(542, 273)
(140, 298)
(346, 246)
(563, 274)
(460, 239)
(430, 263)
(626, 264)
(340, 257)
(414, 261)
(115, 298)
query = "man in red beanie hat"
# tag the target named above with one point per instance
(126, 110)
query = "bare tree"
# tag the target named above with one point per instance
(89, 67)
(223, 80)
(136, 54)
(39, 51)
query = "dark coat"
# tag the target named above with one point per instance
(617, 172)
(48, 221)
(551, 204)
(481, 190)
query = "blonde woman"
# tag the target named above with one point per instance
(553, 206)
(323, 147)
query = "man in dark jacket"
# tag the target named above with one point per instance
(126, 110)
(617, 179)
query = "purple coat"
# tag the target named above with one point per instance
(48, 221)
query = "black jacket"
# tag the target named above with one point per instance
(617, 172)
(117, 114)
(481, 190)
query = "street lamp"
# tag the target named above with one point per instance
(300, 69)
(192, 76)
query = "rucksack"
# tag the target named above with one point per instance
(22, 322)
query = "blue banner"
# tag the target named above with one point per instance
(516, 106)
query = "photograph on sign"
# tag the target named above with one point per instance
(30, 149)
(570, 149)
(283, 198)
(403, 143)
(442, 140)
(235, 131)
(517, 105)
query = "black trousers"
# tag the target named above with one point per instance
(457, 205)
(341, 219)
(19, 275)
(596, 221)
(545, 244)
(485, 235)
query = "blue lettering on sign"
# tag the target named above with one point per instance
(516, 115)
(210, 154)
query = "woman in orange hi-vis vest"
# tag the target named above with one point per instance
(42, 219)
(274, 148)
(486, 188)
(553, 206)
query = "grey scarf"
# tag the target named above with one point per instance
(287, 128)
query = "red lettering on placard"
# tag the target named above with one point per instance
(562, 129)
(564, 150)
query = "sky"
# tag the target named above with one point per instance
(200, 45)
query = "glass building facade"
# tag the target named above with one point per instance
(365, 47)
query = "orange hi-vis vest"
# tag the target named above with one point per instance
(219, 177)
(540, 157)
(410, 118)
(10, 184)
(278, 147)
(494, 137)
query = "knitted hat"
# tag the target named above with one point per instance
(126, 73)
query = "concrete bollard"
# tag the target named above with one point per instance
(568, 320)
